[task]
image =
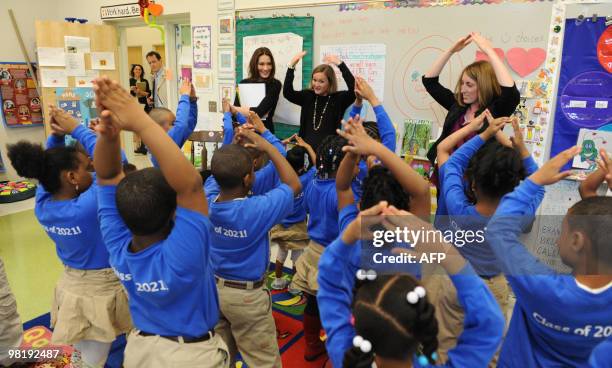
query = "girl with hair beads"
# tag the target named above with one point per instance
(322, 105)
(321, 203)
(90, 307)
(389, 320)
(483, 85)
(291, 234)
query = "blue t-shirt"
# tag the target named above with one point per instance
(185, 123)
(299, 210)
(462, 213)
(483, 324)
(72, 224)
(555, 323)
(170, 284)
(239, 235)
(601, 357)
(321, 202)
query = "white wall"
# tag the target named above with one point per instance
(25, 14)
(145, 37)
(250, 4)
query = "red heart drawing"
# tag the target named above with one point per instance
(523, 61)
(482, 56)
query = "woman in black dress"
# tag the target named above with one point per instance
(322, 105)
(261, 70)
(136, 80)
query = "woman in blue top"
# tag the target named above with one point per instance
(90, 306)
(390, 321)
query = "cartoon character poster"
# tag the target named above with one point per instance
(21, 104)
(590, 142)
(78, 102)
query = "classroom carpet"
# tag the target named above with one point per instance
(287, 310)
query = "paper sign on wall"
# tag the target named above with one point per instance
(53, 77)
(364, 60)
(51, 56)
(103, 60)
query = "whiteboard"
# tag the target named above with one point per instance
(415, 37)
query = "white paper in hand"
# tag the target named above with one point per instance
(251, 94)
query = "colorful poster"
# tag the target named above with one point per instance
(21, 105)
(416, 137)
(201, 42)
(78, 102)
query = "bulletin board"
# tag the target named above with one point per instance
(21, 105)
(103, 38)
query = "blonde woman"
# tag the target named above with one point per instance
(322, 104)
(483, 85)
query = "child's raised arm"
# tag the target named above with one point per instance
(449, 143)
(179, 172)
(410, 180)
(588, 188)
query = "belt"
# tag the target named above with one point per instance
(243, 285)
(182, 339)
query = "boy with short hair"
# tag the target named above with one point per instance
(240, 247)
(180, 126)
(558, 319)
(155, 227)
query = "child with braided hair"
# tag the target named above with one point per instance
(389, 321)
(321, 203)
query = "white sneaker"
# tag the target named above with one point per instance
(279, 283)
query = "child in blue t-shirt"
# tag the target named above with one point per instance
(240, 247)
(492, 169)
(321, 204)
(178, 127)
(392, 180)
(389, 320)
(155, 226)
(291, 234)
(66, 207)
(558, 319)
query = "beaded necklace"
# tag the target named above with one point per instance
(314, 114)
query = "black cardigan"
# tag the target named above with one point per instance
(338, 103)
(268, 104)
(503, 105)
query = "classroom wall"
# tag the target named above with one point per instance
(145, 37)
(249, 4)
(25, 14)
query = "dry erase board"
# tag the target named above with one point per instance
(415, 37)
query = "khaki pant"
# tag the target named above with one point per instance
(246, 325)
(158, 352)
(294, 237)
(10, 323)
(449, 313)
(89, 305)
(307, 269)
